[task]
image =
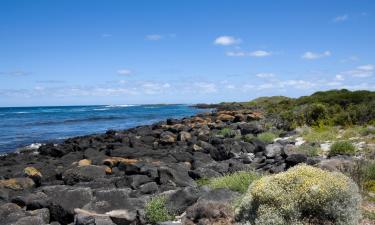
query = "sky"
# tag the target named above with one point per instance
(84, 52)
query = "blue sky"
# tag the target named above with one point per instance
(134, 52)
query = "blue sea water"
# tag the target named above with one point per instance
(24, 126)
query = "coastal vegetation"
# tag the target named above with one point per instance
(238, 181)
(302, 195)
(245, 163)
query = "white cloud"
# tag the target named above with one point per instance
(154, 87)
(368, 67)
(205, 87)
(361, 71)
(339, 77)
(341, 18)
(313, 55)
(230, 86)
(227, 40)
(124, 72)
(350, 59)
(158, 37)
(15, 73)
(258, 53)
(154, 37)
(265, 75)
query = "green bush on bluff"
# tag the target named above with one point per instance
(335, 107)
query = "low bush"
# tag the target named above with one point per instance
(301, 195)
(227, 132)
(369, 171)
(342, 148)
(370, 186)
(238, 181)
(320, 134)
(248, 137)
(308, 149)
(156, 210)
(267, 137)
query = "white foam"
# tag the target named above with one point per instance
(100, 109)
(33, 146)
(118, 106)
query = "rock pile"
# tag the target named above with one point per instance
(107, 178)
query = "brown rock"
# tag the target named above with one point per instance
(34, 174)
(114, 161)
(84, 162)
(184, 136)
(225, 118)
(17, 184)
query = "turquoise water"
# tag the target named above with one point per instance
(23, 126)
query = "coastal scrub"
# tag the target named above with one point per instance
(302, 195)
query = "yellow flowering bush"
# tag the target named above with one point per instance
(301, 195)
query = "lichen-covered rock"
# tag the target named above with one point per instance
(301, 194)
(34, 174)
(225, 118)
(84, 162)
(17, 184)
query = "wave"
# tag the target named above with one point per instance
(103, 109)
(33, 146)
(118, 106)
(72, 121)
(21, 112)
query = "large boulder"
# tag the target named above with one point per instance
(17, 184)
(184, 136)
(251, 128)
(181, 199)
(64, 199)
(10, 213)
(294, 159)
(273, 150)
(225, 118)
(33, 174)
(114, 199)
(167, 138)
(83, 174)
(175, 175)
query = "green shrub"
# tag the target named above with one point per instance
(301, 195)
(238, 181)
(156, 210)
(248, 137)
(308, 149)
(203, 181)
(369, 171)
(320, 134)
(370, 186)
(342, 148)
(267, 137)
(227, 132)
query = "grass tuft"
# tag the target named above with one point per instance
(267, 137)
(342, 148)
(156, 210)
(238, 181)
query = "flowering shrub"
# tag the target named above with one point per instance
(301, 195)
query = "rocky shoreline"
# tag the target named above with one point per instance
(106, 179)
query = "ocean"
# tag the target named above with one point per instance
(28, 127)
